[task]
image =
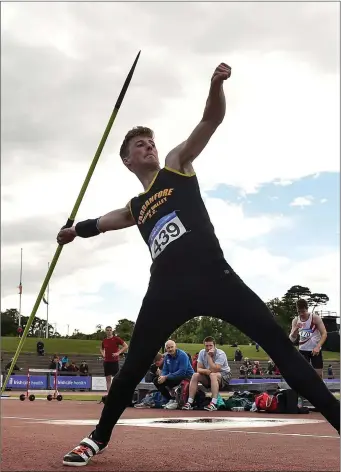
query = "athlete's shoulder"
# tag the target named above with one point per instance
(183, 172)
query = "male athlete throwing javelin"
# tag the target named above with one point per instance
(189, 275)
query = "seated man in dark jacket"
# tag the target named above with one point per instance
(176, 367)
(155, 368)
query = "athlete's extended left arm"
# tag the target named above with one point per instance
(213, 115)
(320, 326)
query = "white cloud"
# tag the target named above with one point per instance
(323, 200)
(302, 201)
(63, 66)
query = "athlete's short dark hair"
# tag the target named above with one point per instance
(302, 304)
(136, 131)
(107, 327)
(209, 339)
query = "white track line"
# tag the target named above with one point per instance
(276, 434)
(34, 420)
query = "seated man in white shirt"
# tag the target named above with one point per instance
(212, 371)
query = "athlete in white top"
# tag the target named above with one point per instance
(310, 330)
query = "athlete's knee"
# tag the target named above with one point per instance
(214, 376)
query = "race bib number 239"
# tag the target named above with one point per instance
(167, 229)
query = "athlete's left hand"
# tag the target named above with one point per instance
(222, 72)
(316, 351)
(162, 379)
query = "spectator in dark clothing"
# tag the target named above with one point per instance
(246, 368)
(271, 367)
(15, 366)
(84, 368)
(330, 372)
(40, 348)
(55, 363)
(72, 367)
(238, 355)
(155, 368)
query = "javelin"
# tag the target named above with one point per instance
(72, 217)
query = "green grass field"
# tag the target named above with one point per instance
(78, 346)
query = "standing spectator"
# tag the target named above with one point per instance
(330, 372)
(212, 371)
(65, 360)
(40, 348)
(238, 355)
(84, 368)
(257, 347)
(110, 352)
(176, 368)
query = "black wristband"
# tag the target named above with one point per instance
(87, 228)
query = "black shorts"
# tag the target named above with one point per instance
(110, 368)
(315, 361)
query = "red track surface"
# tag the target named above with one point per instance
(32, 446)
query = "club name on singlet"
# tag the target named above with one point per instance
(174, 223)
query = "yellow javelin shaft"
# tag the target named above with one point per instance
(72, 217)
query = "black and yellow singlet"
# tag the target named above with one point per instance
(174, 223)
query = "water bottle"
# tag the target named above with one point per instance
(238, 408)
(299, 402)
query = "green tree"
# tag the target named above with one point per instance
(124, 329)
(317, 299)
(282, 311)
(187, 332)
(9, 322)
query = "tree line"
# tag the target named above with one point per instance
(193, 331)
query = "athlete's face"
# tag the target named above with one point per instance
(142, 154)
(303, 313)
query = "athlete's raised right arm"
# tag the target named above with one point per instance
(117, 219)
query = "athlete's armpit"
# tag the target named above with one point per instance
(117, 219)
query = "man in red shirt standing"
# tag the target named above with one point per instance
(110, 352)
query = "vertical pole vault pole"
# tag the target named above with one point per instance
(72, 217)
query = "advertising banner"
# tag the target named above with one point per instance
(20, 382)
(71, 382)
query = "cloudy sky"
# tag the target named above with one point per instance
(270, 175)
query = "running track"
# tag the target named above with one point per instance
(30, 443)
